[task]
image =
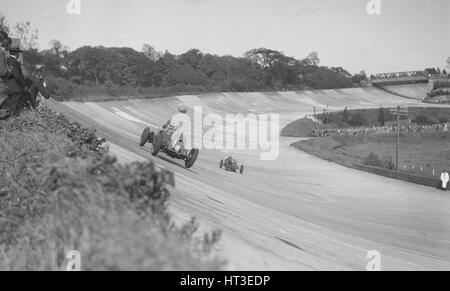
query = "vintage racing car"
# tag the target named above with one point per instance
(161, 140)
(231, 165)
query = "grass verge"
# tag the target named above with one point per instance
(59, 192)
(420, 154)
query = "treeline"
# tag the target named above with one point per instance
(125, 71)
(113, 69)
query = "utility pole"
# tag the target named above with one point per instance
(398, 111)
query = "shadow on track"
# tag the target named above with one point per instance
(171, 161)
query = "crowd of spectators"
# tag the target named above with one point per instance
(410, 128)
(23, 91)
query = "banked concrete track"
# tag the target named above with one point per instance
(297, 212)
(414, 91)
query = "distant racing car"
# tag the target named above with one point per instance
(231, 165)
(161, 140)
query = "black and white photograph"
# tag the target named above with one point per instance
(224, 141)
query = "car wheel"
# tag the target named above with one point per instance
(144, 137)
(241, 169)
(192, 158)
(157, 145)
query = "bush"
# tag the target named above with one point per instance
(373, 160)
(443, 120)
(359, 119)
(423, 120)
(388, 162)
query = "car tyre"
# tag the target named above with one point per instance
(144, 137)
(157, 142)
(192, 158)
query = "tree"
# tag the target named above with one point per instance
(192, 58)
(28, 36)
(381, 116)
(358, 78)
(359, 119)
(280, 70)
(23, 31)
(345, 115)
(264, 57)
(448, 63)
(151, 53)
(4, 24)
(313, 59)
(58, 49)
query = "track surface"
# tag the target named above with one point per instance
(297, 212)
(415, 91)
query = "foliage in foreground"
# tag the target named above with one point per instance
(59, 193)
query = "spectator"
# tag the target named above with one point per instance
(5, 69)
(444, 179)
(38, 88)
(17, 88)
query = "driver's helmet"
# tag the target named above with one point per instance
(182, 109)
(167, 124)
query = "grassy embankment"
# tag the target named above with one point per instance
(65, 90)
(425, 153)
(59, 193)
(420, 153)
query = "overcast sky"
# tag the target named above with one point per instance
(408, 35)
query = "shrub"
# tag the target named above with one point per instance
(358, 119)
(443, 120)
(388, 162)
(373, 160)
(423, 120)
